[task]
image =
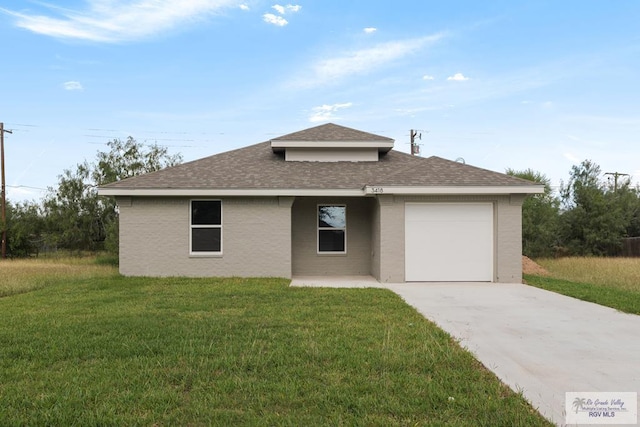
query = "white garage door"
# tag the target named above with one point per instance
(449, 242)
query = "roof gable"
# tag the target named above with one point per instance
(330, 143)
(332, 132)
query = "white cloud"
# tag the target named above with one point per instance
(270, 18)
(23, 193)
(117, 21)
(458, 77)
(571, 157)
(72, 85)
(370, 30)
(244, 7)
(427, 77)
(293, 8)
(362, 61)
(285, 9)
(326, 112)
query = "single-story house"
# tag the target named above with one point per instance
(328, 200)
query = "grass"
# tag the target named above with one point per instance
(612, 282)
(24, 275)
(619, 273)
(111, 350)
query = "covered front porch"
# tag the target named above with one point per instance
(339, 246)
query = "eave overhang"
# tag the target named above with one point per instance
(369, 190)
(230, 192)
(382, 146)
(454, 189)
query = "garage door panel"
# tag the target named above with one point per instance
(449, 242)
(446, 212)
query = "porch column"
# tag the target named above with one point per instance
(286, 203)
(391, 238)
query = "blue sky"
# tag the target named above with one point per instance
(502, 84)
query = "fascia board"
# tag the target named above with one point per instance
(332, 144)
(195, 192)
(458, 190)
(367, 190)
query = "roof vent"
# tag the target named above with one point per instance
(331, 143)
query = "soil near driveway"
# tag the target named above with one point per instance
(529, 266)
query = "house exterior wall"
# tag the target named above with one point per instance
(507, 234)
(509, 239)
(304, 225)
(256, 238)
(277, 236)
(391, 247)
(375, 239)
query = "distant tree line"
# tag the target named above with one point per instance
(72, 216)
(588, 216)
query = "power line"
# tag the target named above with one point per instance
(166, 139)
(121, 131)
(27, 186)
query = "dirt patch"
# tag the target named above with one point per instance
(531, 267)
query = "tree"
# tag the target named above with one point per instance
(74, 213)
(631, 202)
(26, 225)
(627, 200)
(76, 217)
(540, 217)
(594, 219)
(126, 159)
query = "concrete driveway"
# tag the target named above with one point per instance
(538, 342)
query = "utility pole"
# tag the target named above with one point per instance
(4, 196)
(615, 178)
(415, 148)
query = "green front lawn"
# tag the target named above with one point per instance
(125, 351)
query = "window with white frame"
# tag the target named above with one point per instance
(206, 227)
(332, 229)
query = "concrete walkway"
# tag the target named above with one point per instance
(337, 282)
(538, 342)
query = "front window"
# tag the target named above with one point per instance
(206, 227)
(332, 229)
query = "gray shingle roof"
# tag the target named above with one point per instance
(332, 132)
(258, 167)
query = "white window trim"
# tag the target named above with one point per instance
(318, 228)
(191, 227)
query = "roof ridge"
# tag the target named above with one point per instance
(331, 132)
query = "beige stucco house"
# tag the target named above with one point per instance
(328, 200)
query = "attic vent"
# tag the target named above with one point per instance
(296, 154)
(332, 143)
